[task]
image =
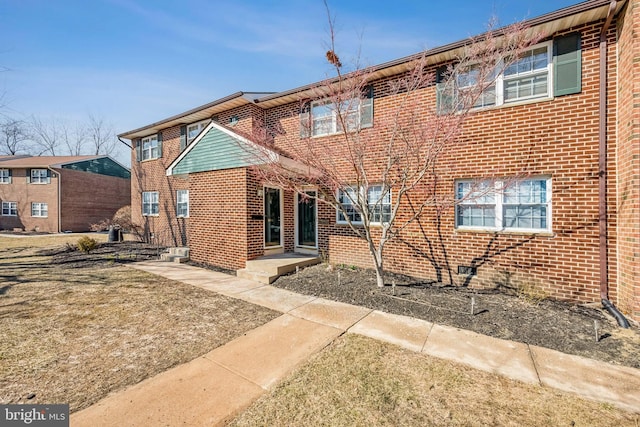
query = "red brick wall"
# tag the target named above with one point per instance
(88, 198)
(24, 194)
(556, 138)
(628, 162)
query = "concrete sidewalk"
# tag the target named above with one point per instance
(217, 386)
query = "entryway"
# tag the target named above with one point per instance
(306, 222)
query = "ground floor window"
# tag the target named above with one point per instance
(182, 203)
(9, 209)
(150, 203)
(375, 197)
(39, 209)
(523, 205)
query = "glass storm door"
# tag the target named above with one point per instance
(272, 220)
(307, 220)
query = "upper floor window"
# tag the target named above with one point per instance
(194, 130)
(39, 209)
(5, 176)
(375, 198)
(40, 176)
(150, 203)
(528, 77)
(9, 209)
(182, 203)
(150, 147)
(326, 117)
(518, 206)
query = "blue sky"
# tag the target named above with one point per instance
(133, 62)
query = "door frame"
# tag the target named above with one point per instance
(301, 248)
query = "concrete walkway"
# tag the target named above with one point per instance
(214, 388)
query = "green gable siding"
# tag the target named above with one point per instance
(101, 166)
(216, 151)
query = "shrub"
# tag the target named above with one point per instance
(87, 244)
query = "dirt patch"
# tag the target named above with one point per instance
(565, 327)
(75, 327)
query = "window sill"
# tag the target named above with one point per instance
(541, 233)
(151, 215)
(149, 160)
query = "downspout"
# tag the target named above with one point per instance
(602, 173)
(59, 207)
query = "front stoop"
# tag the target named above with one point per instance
(268, 268)
(178, 255)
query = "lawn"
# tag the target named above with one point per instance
(358, 381)
(74, 334)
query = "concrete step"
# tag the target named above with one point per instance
(257, 276)
(167, 257)
(181, 251)
(280, 264)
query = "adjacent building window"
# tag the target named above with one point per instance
(39, 210)
(150, 203)
(529, 76)
(519, 205)
(9, 209)
(182, 203)
(40, 176)
(5, 176)
(377, 200)
(150, 148)
(194, 129)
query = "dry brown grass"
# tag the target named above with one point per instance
(72, 335)
(358, 381)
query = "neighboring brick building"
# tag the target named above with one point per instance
(60, 193)
(570, 119)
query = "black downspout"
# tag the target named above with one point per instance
(602, 174)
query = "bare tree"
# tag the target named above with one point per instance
(101, 136)
(381, 181)
(73, 138)
(47, 136)
(15, 138)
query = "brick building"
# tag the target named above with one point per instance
(60, 193)
(570, 228)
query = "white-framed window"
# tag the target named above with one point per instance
(40, 210)
(521, 205)
(9, 209)
(150, 149)
(182, 203)
(5, 176)
(194, 129)
(150, 203)
(40, 176)
(529, 77)
(377, 200)
(325, 117)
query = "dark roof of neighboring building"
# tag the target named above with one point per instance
(100, 164)
(587, 11)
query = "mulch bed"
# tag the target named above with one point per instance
(561, 326)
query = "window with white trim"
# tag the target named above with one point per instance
(150, 149)
(40, 176)
(182, 203)
(9, 209)
(194, 130)
(377, 200)
(5, 176)
(150, 203)
(40, 210)
(326, 117)
(521, 205)
(528, 77)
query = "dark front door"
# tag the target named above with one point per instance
(272, 220)
(307, 220)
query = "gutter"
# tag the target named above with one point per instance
(602, 173)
